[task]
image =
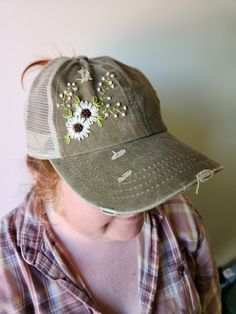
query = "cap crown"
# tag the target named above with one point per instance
(79, 105)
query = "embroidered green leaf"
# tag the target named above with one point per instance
(96, 105)
(77, 100)
(67, 138)
(99, 121)
(75, 105)
(68, 114)
(97, 102)
(100, 103)
(94, 100)
(101, 117)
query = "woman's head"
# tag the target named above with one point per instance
(72, 211)
(98, 122)
(84, 221)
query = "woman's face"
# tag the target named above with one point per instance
(89, 223)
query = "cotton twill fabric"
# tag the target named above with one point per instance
(158, 167)
(177, 272)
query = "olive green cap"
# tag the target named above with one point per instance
(98, 121)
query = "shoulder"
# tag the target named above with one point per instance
(9, 224)
(184, 221)
(9, 259)
(179, 208)
(12, 266)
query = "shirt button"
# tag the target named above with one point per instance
(181, 269)
(161, 217)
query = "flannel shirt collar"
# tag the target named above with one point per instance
(36, 242)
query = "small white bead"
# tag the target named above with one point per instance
(124, 107)
(115, 115)
(108, 73)
(69, 98)
(108, 97)
(65, 91)
(98, 89)
(103, 78)
(75, 88)
(68, 84)
(68, 105)
(70, 93)
(110, 82)
(107, 105)
(112, 86)
(73, 84)
(112, 75)
(61, 95)
(123, 114)
(58, 106)
(106, 114)
(118, 104)
(100, 84)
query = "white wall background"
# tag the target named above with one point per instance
(186, 48)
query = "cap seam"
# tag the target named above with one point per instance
(65, 64)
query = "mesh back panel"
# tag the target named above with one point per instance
(41, 135)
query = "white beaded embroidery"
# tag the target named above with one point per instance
(81, 114)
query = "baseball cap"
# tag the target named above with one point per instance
(98, 121)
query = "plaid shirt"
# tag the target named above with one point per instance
(177, 272)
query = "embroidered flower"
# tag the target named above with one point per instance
(88, 111)
(77, 127)
(81, 114)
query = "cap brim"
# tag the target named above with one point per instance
(135, 176)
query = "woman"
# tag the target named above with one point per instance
(105, 228)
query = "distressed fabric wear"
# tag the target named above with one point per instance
(177, 272)
(81, 111)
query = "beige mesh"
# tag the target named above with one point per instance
(42, 140)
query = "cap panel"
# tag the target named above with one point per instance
(41, 136)
(114, 130)
(145, 99)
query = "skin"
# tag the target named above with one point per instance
(94, 245)
(82, 222)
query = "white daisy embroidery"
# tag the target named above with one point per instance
(81, 114)
(77, 127)
(88, 111)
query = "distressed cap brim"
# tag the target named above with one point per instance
(135, 176)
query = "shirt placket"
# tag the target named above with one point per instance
(148, 263)
(71, 280)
